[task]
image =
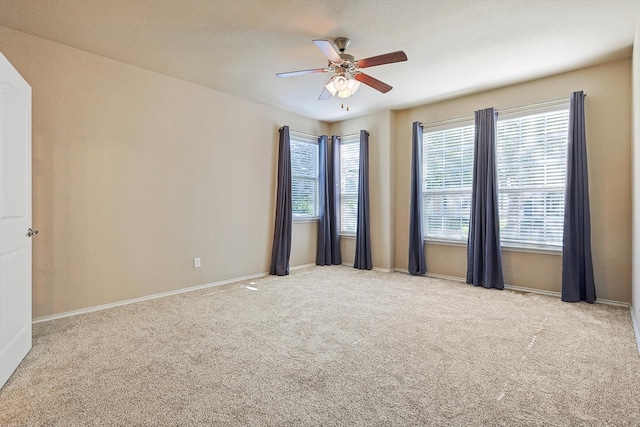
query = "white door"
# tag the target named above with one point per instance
(15, 219)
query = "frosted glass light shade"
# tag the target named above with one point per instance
(340, 83)
(342, 87)
(331, 87)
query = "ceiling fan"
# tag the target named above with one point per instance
(346, 71)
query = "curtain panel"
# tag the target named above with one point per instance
(577, 265)
(417, 263)
(363, 230)
(484, 256)
(281, 251)
(334, 195)
(323, 253)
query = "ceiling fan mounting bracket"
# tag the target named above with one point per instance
(342, 43)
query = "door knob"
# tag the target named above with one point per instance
(31, 232)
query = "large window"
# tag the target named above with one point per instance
(349, 171)
(447, 174)
(532, 164)
(304, 176)
(531, 160)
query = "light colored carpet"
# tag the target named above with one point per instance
(333, 346)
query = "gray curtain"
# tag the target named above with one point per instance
(281, 251)
(577, 265)
(323, 254)
(363, 236)
(417, 263)
(484, 257)
(334, 195)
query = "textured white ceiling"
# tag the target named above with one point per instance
(454, 46)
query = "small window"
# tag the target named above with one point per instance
(304, 176)
(447, 169)
(349, 172)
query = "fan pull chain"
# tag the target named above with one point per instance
(342, 106)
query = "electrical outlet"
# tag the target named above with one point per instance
(196, 263)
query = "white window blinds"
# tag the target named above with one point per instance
(531, 150)
(304, 176)
(349, 171)
(532, 164)
(447, 175)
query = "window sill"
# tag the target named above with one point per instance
(509, 248)
(305, 219)
(348, 236)
(532, 250)
(445, 242)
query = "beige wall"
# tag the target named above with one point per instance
(608, 113)
(136, 173)
(381, 185)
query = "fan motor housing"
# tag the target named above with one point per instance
(346, 57)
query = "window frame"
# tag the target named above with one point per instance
(301, 138)
(460, 123)
(510, 114)
(345, 141)
(519, 113)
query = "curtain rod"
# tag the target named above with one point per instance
(505, 110)
(303, 134)
(536, 105)
(351, 135)
(447, 121)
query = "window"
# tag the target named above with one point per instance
(532, 164)
(531, 151)
(349, 171)
(304, 176)
(447, 168)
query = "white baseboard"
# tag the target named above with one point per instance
(382, 270)
(445, 277)
(160, 295)
(298, 267)
(525, 289)
(636, 329)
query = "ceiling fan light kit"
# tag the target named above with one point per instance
(347, 75)
(341, 86)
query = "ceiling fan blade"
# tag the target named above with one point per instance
(324, 95)
(302, 72)
(328, 50)
(373, 82)
(387, 58)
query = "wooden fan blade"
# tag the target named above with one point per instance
(302, 72)
(387, 58)
(328, 50)
(324, 95)
(373, 82)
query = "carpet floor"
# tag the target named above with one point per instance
(333, 346)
